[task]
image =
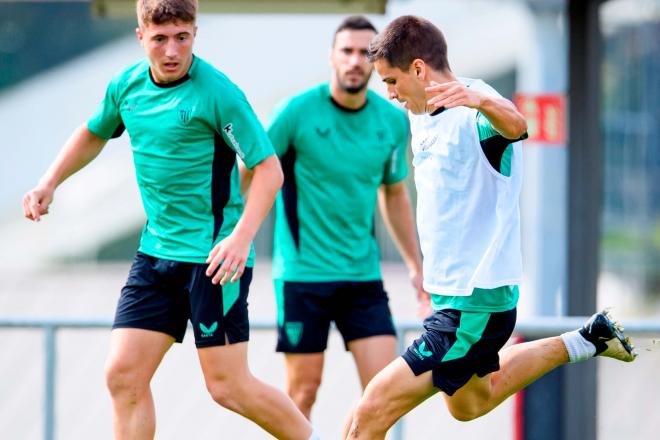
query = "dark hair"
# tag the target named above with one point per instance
(407, 38)
(355, 23)
(166, 11)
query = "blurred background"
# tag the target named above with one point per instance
(585, 73)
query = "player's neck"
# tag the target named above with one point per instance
(353, 101)
(442, 77)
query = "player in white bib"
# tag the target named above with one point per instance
(468, 173)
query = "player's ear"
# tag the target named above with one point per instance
(419, 68)
(139, 34)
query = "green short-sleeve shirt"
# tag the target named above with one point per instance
(334, 160)
(185, 136)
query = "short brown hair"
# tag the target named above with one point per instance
(354, 23)
(166, 11)
(407, 38)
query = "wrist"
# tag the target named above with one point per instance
(48, 182)
(242, 233)
(482, 101)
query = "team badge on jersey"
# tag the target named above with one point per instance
(185, 114)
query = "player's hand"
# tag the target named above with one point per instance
(451, 94)
(227, 259)
(423, 298)
(36, 202)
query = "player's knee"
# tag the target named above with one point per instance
(465, 414)
(121, 380)
(304, 392)
(225, 394)
(370, 413)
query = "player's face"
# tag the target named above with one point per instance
(405, 86)
(348, 59)
(169, 48)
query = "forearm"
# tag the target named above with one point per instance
(79, 150)
(266, 180)
(396, 210)
(503, 116)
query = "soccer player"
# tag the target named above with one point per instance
(187, 122)
(342, 148)
(468, 171)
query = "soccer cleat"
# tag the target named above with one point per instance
(607, 336)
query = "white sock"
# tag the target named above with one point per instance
(314, 436)
(579, 349)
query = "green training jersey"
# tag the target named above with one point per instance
(498, 151)
(185, 136)
(334, 159)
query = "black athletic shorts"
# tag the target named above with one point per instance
(305, 309)
(458, 345)
(162, 295)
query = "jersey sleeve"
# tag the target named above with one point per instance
(496, 147)
(241, 129)
(106, 121)
(396, 168)
(280, 128)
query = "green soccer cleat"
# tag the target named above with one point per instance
(607, 336)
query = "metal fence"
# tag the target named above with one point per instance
(528, 329)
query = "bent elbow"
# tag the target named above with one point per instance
(516, 130)
(522, 128)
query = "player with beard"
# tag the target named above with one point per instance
(342, 147)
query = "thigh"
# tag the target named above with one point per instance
(154, 297)
(372, 354)
(137, 352)
(219, 314)
(304, 368)
(396, 390)
(458, 345)
(361, 310)
(303, 316)
(226, 363)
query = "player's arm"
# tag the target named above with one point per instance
(227, 259)
(396, 210)
(246, 176)
(79, 150)
(502, 113)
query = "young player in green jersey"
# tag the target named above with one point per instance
(187, 123)
(342, 148)
(468, 173)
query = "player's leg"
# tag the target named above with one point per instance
(303, 379)
(522, 364)
(455, 346)
(393, 392)
(303, 311)
(364, 319)
(132, 361)
(232, 385)
(219, 315)
(362, 314)
(371, 355)
(149, 318)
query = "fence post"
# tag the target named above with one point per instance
(397, 429)
(50, 351)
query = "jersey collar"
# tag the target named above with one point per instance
(179, 81)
